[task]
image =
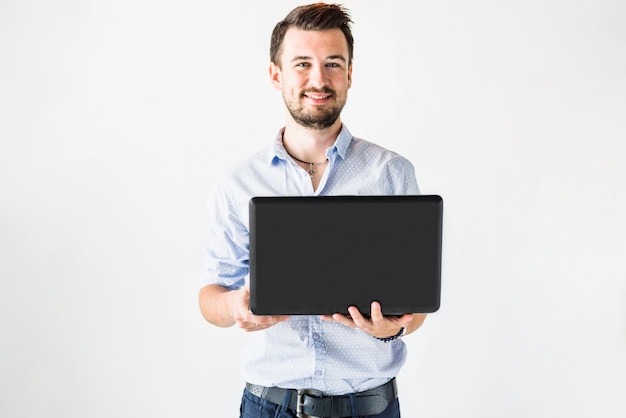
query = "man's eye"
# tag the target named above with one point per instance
(302, 64)
(332, 64)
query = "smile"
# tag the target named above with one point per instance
(317, 96)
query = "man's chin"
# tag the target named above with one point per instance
(316, 120)
(316, 123)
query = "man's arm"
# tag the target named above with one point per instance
(224, 308)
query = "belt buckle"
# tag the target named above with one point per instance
(312, 393)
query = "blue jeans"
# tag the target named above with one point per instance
(254, 407)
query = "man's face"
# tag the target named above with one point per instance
(314, 75)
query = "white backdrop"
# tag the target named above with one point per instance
(116, 116)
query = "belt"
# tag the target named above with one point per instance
(310, 403)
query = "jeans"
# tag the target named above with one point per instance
(254, 407)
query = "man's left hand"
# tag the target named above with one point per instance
(377, 324)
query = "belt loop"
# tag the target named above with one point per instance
(353, 406)
(284, 406)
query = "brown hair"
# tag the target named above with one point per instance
(316, 17)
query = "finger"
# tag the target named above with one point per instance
(406, 319)
(403, 320)
(376, 312)
(358, 318)
(247, 326)
(258, 323)
(269, 319)
(264, 320)
(342, 319)
(253, 327)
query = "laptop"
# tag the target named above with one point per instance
(320, 255)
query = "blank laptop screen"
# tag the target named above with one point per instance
(320, 255)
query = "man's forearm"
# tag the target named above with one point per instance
(214, 305)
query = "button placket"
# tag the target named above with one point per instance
(319, 348)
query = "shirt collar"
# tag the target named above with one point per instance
(278, 151)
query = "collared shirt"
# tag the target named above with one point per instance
(305, 351)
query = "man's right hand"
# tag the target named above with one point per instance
(240, 312)
(224, 308)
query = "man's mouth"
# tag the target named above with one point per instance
(318, 96)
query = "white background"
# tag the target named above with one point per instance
(117, 116)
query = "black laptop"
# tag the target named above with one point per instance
(320, 255)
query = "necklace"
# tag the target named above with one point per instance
(311, 169)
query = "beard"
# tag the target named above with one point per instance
(319, 118)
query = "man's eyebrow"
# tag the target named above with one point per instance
(330, 57)
(336, 57)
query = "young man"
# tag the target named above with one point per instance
(339, 365)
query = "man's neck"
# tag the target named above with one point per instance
(309, 144)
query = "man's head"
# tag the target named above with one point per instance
(313, 17)
(311, 63)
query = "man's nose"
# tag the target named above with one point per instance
(317, 76)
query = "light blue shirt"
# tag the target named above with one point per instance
(305, 351)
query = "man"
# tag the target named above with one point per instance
(343, 365)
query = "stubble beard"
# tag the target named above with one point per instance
(319, 118)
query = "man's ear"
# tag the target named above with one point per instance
(350, 76)
(276, 76)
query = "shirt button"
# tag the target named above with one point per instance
(318, 373)
(316, 336)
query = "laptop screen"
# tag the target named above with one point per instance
(320, 255)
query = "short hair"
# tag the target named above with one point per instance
(315, 17)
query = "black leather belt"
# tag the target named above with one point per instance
(309, 403)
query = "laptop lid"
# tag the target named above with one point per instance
(320, 255)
